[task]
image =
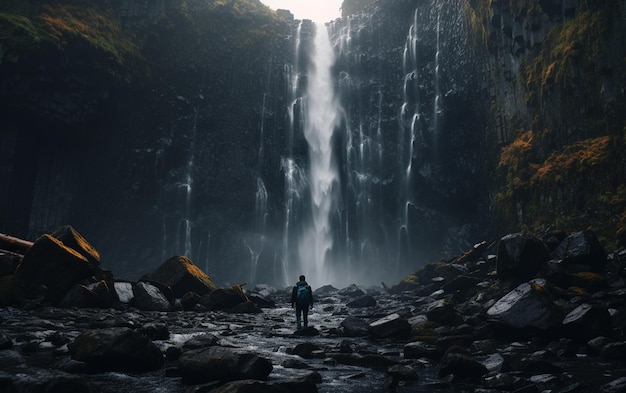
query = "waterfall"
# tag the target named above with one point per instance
(437, 111)
(322, 113)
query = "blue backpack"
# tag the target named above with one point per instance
(303, 295)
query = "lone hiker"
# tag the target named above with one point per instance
(302, 296)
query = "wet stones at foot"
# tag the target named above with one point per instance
(308, 331)
(42, 380)
(223, 364)
(392, 325)
(119, 349)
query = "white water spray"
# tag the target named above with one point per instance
(322, 113)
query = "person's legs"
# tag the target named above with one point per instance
(298, 317)
(305, 316)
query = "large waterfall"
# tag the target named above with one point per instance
(322, 112)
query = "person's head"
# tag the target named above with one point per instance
(302, 278)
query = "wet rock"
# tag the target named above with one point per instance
(306, 350)
(221, 364)
(245, 308)
(189, 301)
(124, 291)
(443, 311)
(581, 248)
(408, 283)
(390, 326)
(355, 327)
(494, 363)
(224, 298)
(520, 256)
(323, 290)
(461, 283)
(614, 351)
(586, 322)
(461, 366)
(373, 361)
(96, 295)
(295, 363)
(201, 341)
(261, 301)
(119, 349)
(51, 264)
(616, 386)
(5, 342)
(150, 298)
(351, 291)
(528, 305)
(183, 276)
(502, 381)
(72, 239)
(42, 380)
(363, 301)
(306, 384)
(419, 349)
(8, 263)
(10, 358)
(563, 347)
(308, 331)
(155, 331)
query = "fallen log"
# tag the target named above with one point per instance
(14, 244)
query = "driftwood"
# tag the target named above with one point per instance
(14, 244)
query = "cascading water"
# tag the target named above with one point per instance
(322, 113)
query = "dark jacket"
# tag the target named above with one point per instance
(294, 293)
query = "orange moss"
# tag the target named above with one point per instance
(577, 158)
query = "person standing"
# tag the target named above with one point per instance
(302, 297)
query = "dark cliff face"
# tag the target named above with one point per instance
(556, 74)
(107, 134)
(161, 127)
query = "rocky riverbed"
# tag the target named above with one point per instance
(528, 314)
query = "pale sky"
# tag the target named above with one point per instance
(316, 10)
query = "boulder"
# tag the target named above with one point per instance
(224, 298)
(183, 276)
(520, 256)
(124, 291)
(461, 283)
(116, 349)
(79, 296)
(261, 301)
(363, 301)
(72, 239)
(149, 298)
(8, 263)
(96, 295)
(51, 264)
(420, 349)
(306, 350)
(461, 366)
(221, 364)
(443, 311)
(308, 331)
(201, 341)
(586, 322)
(351, 291)
(355, 327)
(581, 248)
(526, 306)
(189, 300)
(392, 325)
